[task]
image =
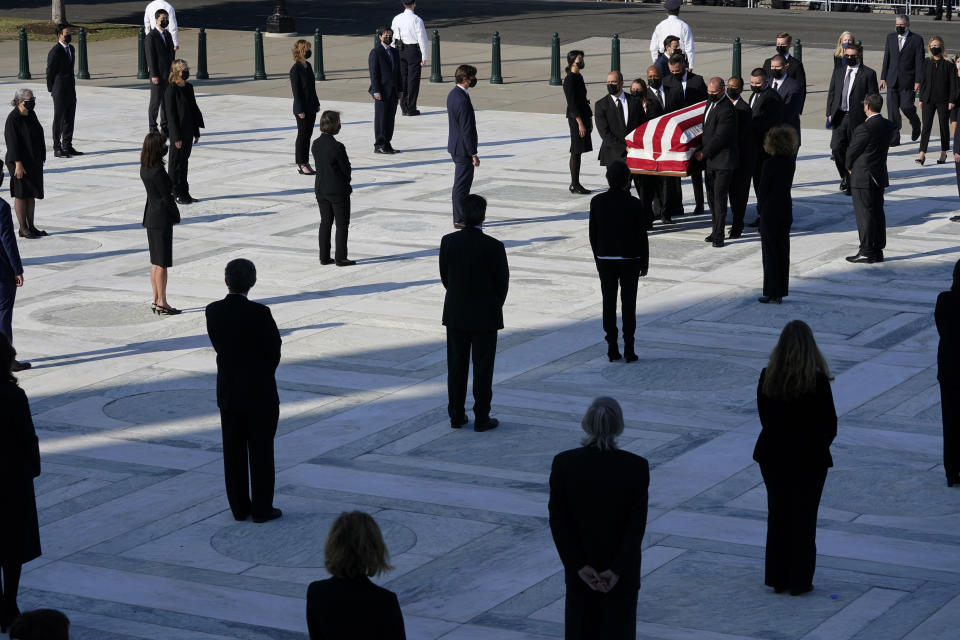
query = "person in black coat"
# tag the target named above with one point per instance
(247, 342)
(947, 317)
(790, 92)
(348, 605)
(462, 140)
(617, 114)
(668, 201)
(332, 188)
(160, 213)
(867, 164)
(688, 89)
(747, 150)
(721, 153)
(938, 90)
(798, 422)
(598, 515)
(41, 624)
(184, 121)
(19, 465)
(650, 188)
(579, 117)
(386, 89)
(159, 51)
(618, 238)
(26, 153)
(306, 104)
(844, 108)
(792, 67)
(61, 84)
(903, 67)
(474, 271)
(766, 105)
(776, 181)
(11, 274)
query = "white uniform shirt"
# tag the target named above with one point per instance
(672, 26)
(409, 29)
(150, 21)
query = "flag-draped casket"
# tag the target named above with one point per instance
(666, 144)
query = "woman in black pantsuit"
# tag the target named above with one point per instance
(332, 188)
(798, 422)
(947, 316)
(184, 121)
(938, 90)
(579, 117)
(160, 213)
(305, 103)
(26, 153)
(648, 187)
(773, 197)
(19, 465)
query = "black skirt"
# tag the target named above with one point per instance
(30, 185)
(161, 246)
(578, 144)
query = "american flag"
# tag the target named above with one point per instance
(666, 144)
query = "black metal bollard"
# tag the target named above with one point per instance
(495, 74)
(318, 73)
(615, 53)
(83, 71)
(555, 61)
(435, 75)
(141, 56)
(737, 58)
(259, 72)
(24, 57)
(798, 50)
(202, 73)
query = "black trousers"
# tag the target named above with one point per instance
(668, 199)
(943, 116)
(718, 183)
(178, 164)
(775, 251)
(901, 100)
(957, 165)
(623, 275)
(591, 615)
(739, 196)
(410, 69)
(696, 176)
(871, 221)
(248, 437)
(156, 105)
(462, 181)
(839, 141)
(64, 113)
(384, 115)
(793, 499)
(304, 133)
(648, 189)
(8, 294)
(483, 346)
(950, 407)
(939, 8)
(334, 208)
(9, 585)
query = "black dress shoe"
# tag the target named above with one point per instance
(191, 198)
(698, 211)
(326, 260)
(629, 355)
(184, 200)
(666, 220)
(613, 354)
(718, 243)
(709, 238)
(859, 259)
(486, 425)
(456, 423)
(579, 188)
(380, 150)
(273, 515)
(769, 299)
(240, 517)
(73, 151)
(733, 235)
(346, 263)
(915, 135)
(415, 112)
(796, 591)
(388, 149)
(57, 153)
(895, 143)
(17, 365)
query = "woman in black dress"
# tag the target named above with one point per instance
(332, 188)
(160, 213)
(19, 465)
(938, 90)
(773, 198)
(306, 105)
(26, 153)
(947, 316)
(579, 116)
(184, 121)
(798, 422)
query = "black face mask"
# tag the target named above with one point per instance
(185, 75)
(732, 93)
(777, 74)
(936, 50)
(308, 54)
(613, 89)
(387, 40)
(714, 97)
(473, 82)
(653, 83)
(636, 93)
(164, 24)
(782, 49)
(755, 88)
(901, 31)
(677, 76)
(67, 38)
(30, 104)
(853, 61)
(581, 65)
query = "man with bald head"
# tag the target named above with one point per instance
(720, 153)
(616, 115)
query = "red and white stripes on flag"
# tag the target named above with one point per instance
(666, 144)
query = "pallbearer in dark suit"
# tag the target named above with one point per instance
(160, 213)
(579, 117)
(792, 67)
(746, 145)
(849, 87)
(159, 50)
(938, 90)
(462, 137)
(598, 515)
(947, 317)
(900, 75)
(184, 121)
(867, 165)
(473, 269)
(721, 154)
(776, 181)
(247, 342)
(668, 201)
(617, 115)
(61, 84)
(649, 188)
(332, 188)
(618, 238)
(688, 89)
(11, 274)
(385, 87)
(766, 105)
(306, 105)
(790, 92)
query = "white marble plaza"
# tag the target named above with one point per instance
(137, 536)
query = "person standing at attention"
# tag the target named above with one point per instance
(938, 90)
(306, 105)
(462, 137)
(184, 122)
(11, 276)
(903, 67)
(411, 41)
(160, 213)
(61, 84)
(672, 25)
(158, 48)
(385, 87)
(947, 317)
(332, 189)
(867, 166)
(579, 117)
(150, 20)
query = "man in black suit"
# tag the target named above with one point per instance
(668, 199)
(158, 48)
(866, 162)
(462, 137)
(247, 342)
(789, 91)
(616, 115)
(61, 84)
(11, 275)
(598, 515)
(939, 10)
(688, 89)
(766, 105)
(671, 45)
(903, 66)
(385, 87)
(473, 269)
(849, 87)
(618, 237)
(747, 148)
(792, 67)
(721, 154)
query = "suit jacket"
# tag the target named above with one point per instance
(473, 269)
(19, 465)
(160, 210)
(184, 119)
(340, 608)
(746, 142)
(598, 513)
(662, 63)
(159, 52)
(767, 109)
(10, 264)
(902, 68)
(939, 80)
(652, 109)
(668, 99)
(792, 97)
(695, 92)
(247, 342)
(773, 192)
(612, 128)
(867, 153)
(720, 136)
(947, 317)
(864, 84)
(60, 78)
(794, 69)
(575, 91)
(461, 124)
(618, 226)
(303, 85)
(796, 434)
(332, 166)
(384, 65)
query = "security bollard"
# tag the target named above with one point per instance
(737, 62)
(259, 72)
(202, 55)
(555, 61)
(24, 57)
(318, 73)
(495, 75)
(376, 39)
(83, 72)
(615, 53)
(435, 75)
(798, 50)
(141, 55)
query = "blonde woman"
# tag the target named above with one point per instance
(798, 422)
(184, 122)
(306, 105)
(839, 57)
(938, 90)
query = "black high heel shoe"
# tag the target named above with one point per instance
(579, 188)
(29, 235)
(942, 160)
(167, 311)
(769, 299)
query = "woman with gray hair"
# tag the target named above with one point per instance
(598, 514)
(26, 153)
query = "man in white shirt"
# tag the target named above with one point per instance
(150, 21)
(672, 25)
(410, 40)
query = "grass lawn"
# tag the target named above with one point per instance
(43, 30)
